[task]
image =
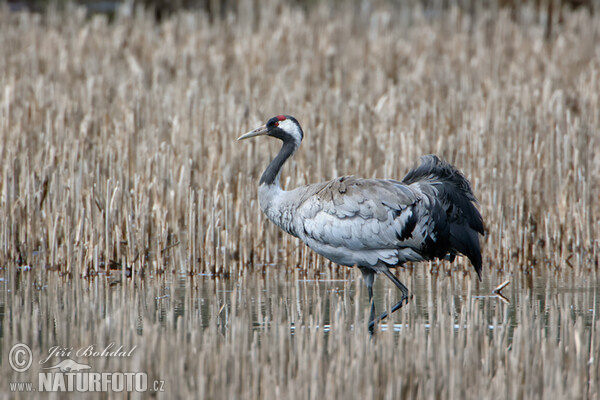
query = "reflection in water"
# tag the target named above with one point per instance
(199, 302)
(192, 331)
(198, 297)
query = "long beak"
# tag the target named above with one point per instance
(262, 130)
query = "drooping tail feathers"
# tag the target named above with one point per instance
(454, 193)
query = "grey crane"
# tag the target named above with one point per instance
(375, 224)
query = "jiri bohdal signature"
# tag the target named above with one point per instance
(92, 350)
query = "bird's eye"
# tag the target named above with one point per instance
(276, 123)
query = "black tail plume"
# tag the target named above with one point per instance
(448, 185)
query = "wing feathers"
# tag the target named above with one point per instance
(430, 214)
(453, 192)
(374, 217)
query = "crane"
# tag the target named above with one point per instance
(374, 224)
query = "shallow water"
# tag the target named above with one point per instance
(172, 297)
(186, 313)
(197, 298)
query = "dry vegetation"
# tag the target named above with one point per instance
(118, 140)
(119, 169)
(258, 338)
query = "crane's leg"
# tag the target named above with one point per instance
(396, 306)
(369, 277)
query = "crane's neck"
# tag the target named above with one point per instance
(271, 175)
(276, 203)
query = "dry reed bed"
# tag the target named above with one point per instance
(117, 148)
(257, 338)
(117, 140)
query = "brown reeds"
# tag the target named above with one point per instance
(118, 138)
(120, 173)
(265, 338)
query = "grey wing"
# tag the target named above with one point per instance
(354, 221)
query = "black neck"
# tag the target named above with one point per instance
(271, 174)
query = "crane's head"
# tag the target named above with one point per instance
(283, 127)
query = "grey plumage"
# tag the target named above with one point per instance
(454, 193)
(374, 224)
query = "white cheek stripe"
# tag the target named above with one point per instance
(291, 128)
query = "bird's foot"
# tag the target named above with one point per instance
(397, 306)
